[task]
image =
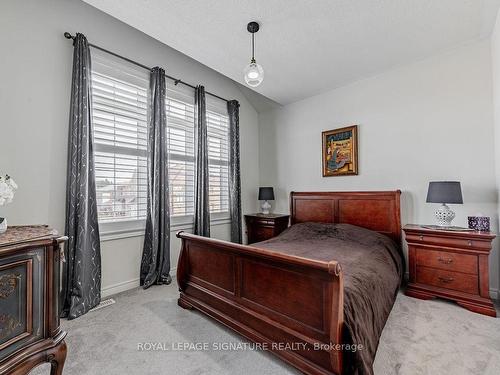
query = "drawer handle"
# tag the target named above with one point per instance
(421, 238)
(445, 261)
(445, 279)
(470, 243)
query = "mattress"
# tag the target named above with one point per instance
(372, 266)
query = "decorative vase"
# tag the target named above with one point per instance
(3, 225)
(480, 223)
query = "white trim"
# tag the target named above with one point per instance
(127, 285)
(494, 293)
(119, 234)
(119, 287)
(186, 222)
(220, 221)
(121, 229)
(128, 233)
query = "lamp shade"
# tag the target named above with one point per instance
(266, 194)
(444, 192)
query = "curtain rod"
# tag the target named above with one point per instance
(176, 80)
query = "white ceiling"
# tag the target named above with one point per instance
(309, 46)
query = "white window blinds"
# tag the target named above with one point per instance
(119, 99)
(181, 131)
(218, 155)
(180, 126)
(120, 105)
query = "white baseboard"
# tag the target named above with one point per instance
(119, 287)
(494, 293)
(126, 285)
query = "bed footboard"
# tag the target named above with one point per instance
(292, 306)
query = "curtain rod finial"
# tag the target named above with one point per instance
(68, 35)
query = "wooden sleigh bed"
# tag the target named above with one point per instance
(293, 306)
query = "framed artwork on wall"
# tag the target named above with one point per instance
(340, 151)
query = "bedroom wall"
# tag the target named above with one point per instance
(35, 76)
(432, 120)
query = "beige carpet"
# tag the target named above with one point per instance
(420, 337)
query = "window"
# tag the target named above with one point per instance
(119, 99)
(181, 137)
(120, 105)
(218, 156)
(180, 130)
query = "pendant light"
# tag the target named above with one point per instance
(254, 74)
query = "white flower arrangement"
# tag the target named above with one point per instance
(7, 189)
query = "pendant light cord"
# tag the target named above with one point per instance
(253, 48)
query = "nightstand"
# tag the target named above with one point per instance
(261, 227)
(451, 265)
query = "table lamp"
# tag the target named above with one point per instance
(444, 192)
(266, 194)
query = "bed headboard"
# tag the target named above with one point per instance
(375, 210)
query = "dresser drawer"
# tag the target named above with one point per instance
(21, 300)
(446, 260)
(458, 281)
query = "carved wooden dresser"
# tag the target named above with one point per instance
(29, 300)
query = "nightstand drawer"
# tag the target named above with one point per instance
(262, 233)
(265, 222)
(461, 243)
(446, 260)
(461, 282)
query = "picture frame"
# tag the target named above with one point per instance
(340, 151)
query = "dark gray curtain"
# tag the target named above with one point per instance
(155, 264)
(233, 109)
(82, 270)
(201, 203)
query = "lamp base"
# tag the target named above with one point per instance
(266, 206)
(3, 225)
(444, 215)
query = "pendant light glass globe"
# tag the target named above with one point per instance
(254, 74)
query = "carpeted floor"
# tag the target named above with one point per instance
(420, 337)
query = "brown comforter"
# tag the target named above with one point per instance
(372, 266)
